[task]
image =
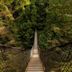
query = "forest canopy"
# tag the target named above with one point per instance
(20, 18)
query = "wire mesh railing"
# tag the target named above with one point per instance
(57, 59)
(13, 59)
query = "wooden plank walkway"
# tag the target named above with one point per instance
(35, 64)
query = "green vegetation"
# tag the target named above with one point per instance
(15, 30)
(56, 34)
(58, 28)
(51, 18)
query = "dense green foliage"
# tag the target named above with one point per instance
(52, 18)
(55, 38)
(17, 30)
(58, 28)
(14, 31)
(21, 20)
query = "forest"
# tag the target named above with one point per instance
(53, 21)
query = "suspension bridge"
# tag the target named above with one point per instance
(35, 64)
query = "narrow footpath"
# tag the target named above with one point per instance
(35, 64)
